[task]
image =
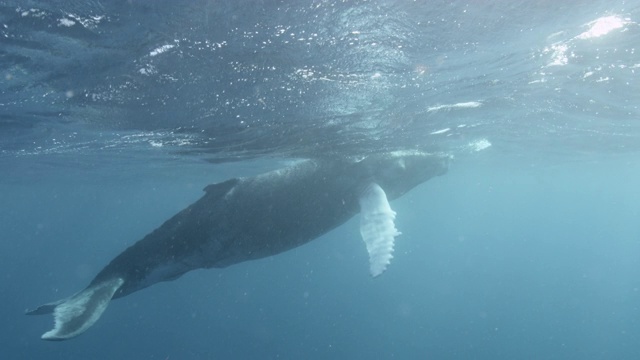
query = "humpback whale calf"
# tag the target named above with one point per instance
(249, 218)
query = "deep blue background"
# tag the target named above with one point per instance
(498, 260)
(115, 114)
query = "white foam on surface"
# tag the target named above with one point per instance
(602, 26)
(461, 105)
(161, 49)
(441, 131)
(66, 22)
(479, 145)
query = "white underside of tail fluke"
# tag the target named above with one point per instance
(77, 313)
(377, 228)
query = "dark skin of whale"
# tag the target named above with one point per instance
(244, 219)
(250, 218)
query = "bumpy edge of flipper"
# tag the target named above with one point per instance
(74, 315)
(377, 227)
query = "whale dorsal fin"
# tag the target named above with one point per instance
(76, 314)
(377, 227)
(220, 189)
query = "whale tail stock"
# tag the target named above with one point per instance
(75, 314)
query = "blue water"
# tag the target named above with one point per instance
(114, 115)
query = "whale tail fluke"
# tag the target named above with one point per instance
(75, 314)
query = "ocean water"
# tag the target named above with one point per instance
(114, 115)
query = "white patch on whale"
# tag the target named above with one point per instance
(76, 314)
(377, 228)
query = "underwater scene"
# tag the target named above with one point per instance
(270, 179)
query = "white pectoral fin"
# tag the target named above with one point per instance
(76, 314)
(377, 228)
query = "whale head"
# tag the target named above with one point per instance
(398, 172)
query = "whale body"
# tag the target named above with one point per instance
(249, 218)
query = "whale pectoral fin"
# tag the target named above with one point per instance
(377, 228)
(74, 315)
